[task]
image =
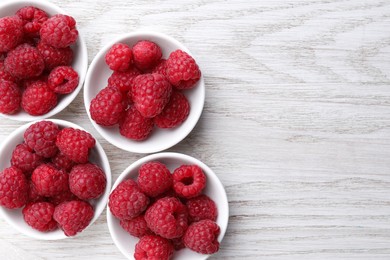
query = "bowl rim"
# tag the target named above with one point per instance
(105, 165)
(83, 61)
(172, 155)
(100, 129)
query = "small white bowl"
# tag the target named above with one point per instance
(79, 64)
(214, 189)
(160, 139)
(15, 217)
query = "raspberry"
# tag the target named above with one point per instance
(62, 197)
(63, 80)
(201, 207)
(202, 237)
(38, 99)
(167, 217)
(11, 33)
(33, 195)
(127, 201)
(182, 70)
(73, 216)
(175, 112)
(119, 57)
(32, 18)
(75, 144)
(61, 162)
(154, 178)
(161, 68)
(54, 57)
(87, 181)
(39, 216)
(4, 75)
(150, 93)
(41, 137)
(123, 80)
(108, 106)
(49, 181)
(13, 188)
(136, 227)
(24, 62)
(25, 159)
(134, 126)
(146, 54)
(153, 247)
(188, 181)
(10, 97)
(59, 31)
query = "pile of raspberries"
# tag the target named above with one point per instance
(35, 60)
(166, 211)
(52, 179)
(144, 89)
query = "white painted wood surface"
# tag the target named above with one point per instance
(296, 123)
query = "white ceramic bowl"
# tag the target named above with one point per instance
(214, 189)
(80, 59)
(15, 217)
(160, 139)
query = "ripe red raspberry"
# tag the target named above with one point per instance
(38, 99)
(127, 201)
(62, 197)
(73, 216)
(59, 31)
(188, 181)
(61, 162)
(54, 57)
(154, 178)
(32, 18)
(87, 181)
(150, 93)
(134, 126)
(25, 159)
(119, 57)
(13, 188)
(41, 137)
(175, 112)
(123, 80)
(201, 207)
(49, 181)
(39, 216)
(146, 54)
(202, 237)
(182, 70)
(108, 106)
(11, 33)
(24, 62)
(167, 217)
(10, 97)
(136, 227)
(153, 247)
(75, 144)
(4, 75)
(161, 68)
(63, 80)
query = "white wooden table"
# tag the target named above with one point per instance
(296, 123)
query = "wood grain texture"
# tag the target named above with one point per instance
(296, 122)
